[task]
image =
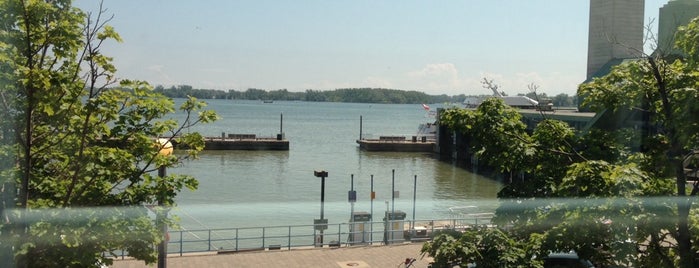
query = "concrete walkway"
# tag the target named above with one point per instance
(358, 257)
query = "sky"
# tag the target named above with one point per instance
(436, 47)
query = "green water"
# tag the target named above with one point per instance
(271, 188)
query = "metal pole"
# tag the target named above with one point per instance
(393, 192)
(385, 228)
(322, 204)
(160, 219)
(352, 202)
(412, 225)
(281, 123)
(360, 127)
(351, 182)
(289, 239)
(320, 224)
(353, 225)
(371, 212)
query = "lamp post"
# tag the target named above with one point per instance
(322, 223)
(165, 150)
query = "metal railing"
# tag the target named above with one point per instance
(304, 236)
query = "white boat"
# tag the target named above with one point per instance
(523, 102)
(427, 130)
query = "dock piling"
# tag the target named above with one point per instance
(360, 127)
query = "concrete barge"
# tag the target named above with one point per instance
(397, 144)
(424, 141)
(249, 142)
(261, 144)
(246, 142)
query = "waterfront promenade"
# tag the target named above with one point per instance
(358, 256)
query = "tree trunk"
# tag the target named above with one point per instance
(684, 203)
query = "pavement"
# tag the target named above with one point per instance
(356, 256)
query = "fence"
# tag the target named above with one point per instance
(298, 236)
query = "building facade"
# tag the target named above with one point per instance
(672, 15)
(615, 32)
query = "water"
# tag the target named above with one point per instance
(272, 188)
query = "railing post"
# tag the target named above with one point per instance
(236, 239)
(263, 237)
(181, 248)
(339, 233)
(289, 241)
(208, 239)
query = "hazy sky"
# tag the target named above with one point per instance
(437, 47)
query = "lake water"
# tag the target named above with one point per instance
(272, 188)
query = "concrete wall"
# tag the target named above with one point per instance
(616, 31)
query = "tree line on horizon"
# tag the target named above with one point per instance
(356, 95)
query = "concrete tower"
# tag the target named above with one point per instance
(672, 15)
(616, 32)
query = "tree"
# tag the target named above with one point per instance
(83, 143)
(484, 247)
(624, 199)
(563, 100)
(666, 90)
(556, 164)
(496, 134)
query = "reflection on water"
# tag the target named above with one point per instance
(453, 182)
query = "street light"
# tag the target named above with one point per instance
(321, 224)
(166, 149)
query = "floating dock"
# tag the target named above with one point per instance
(254, 144)
(424, 141)
(246, 142)
(249, 142)
(397, 144)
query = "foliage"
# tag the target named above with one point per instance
(666, 90)
(593, 192)
(495, 131)
(563, 100)
(485, 247)
(84, 145)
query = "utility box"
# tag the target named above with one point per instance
(419, 232)
(394, 227)
(360, 228)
